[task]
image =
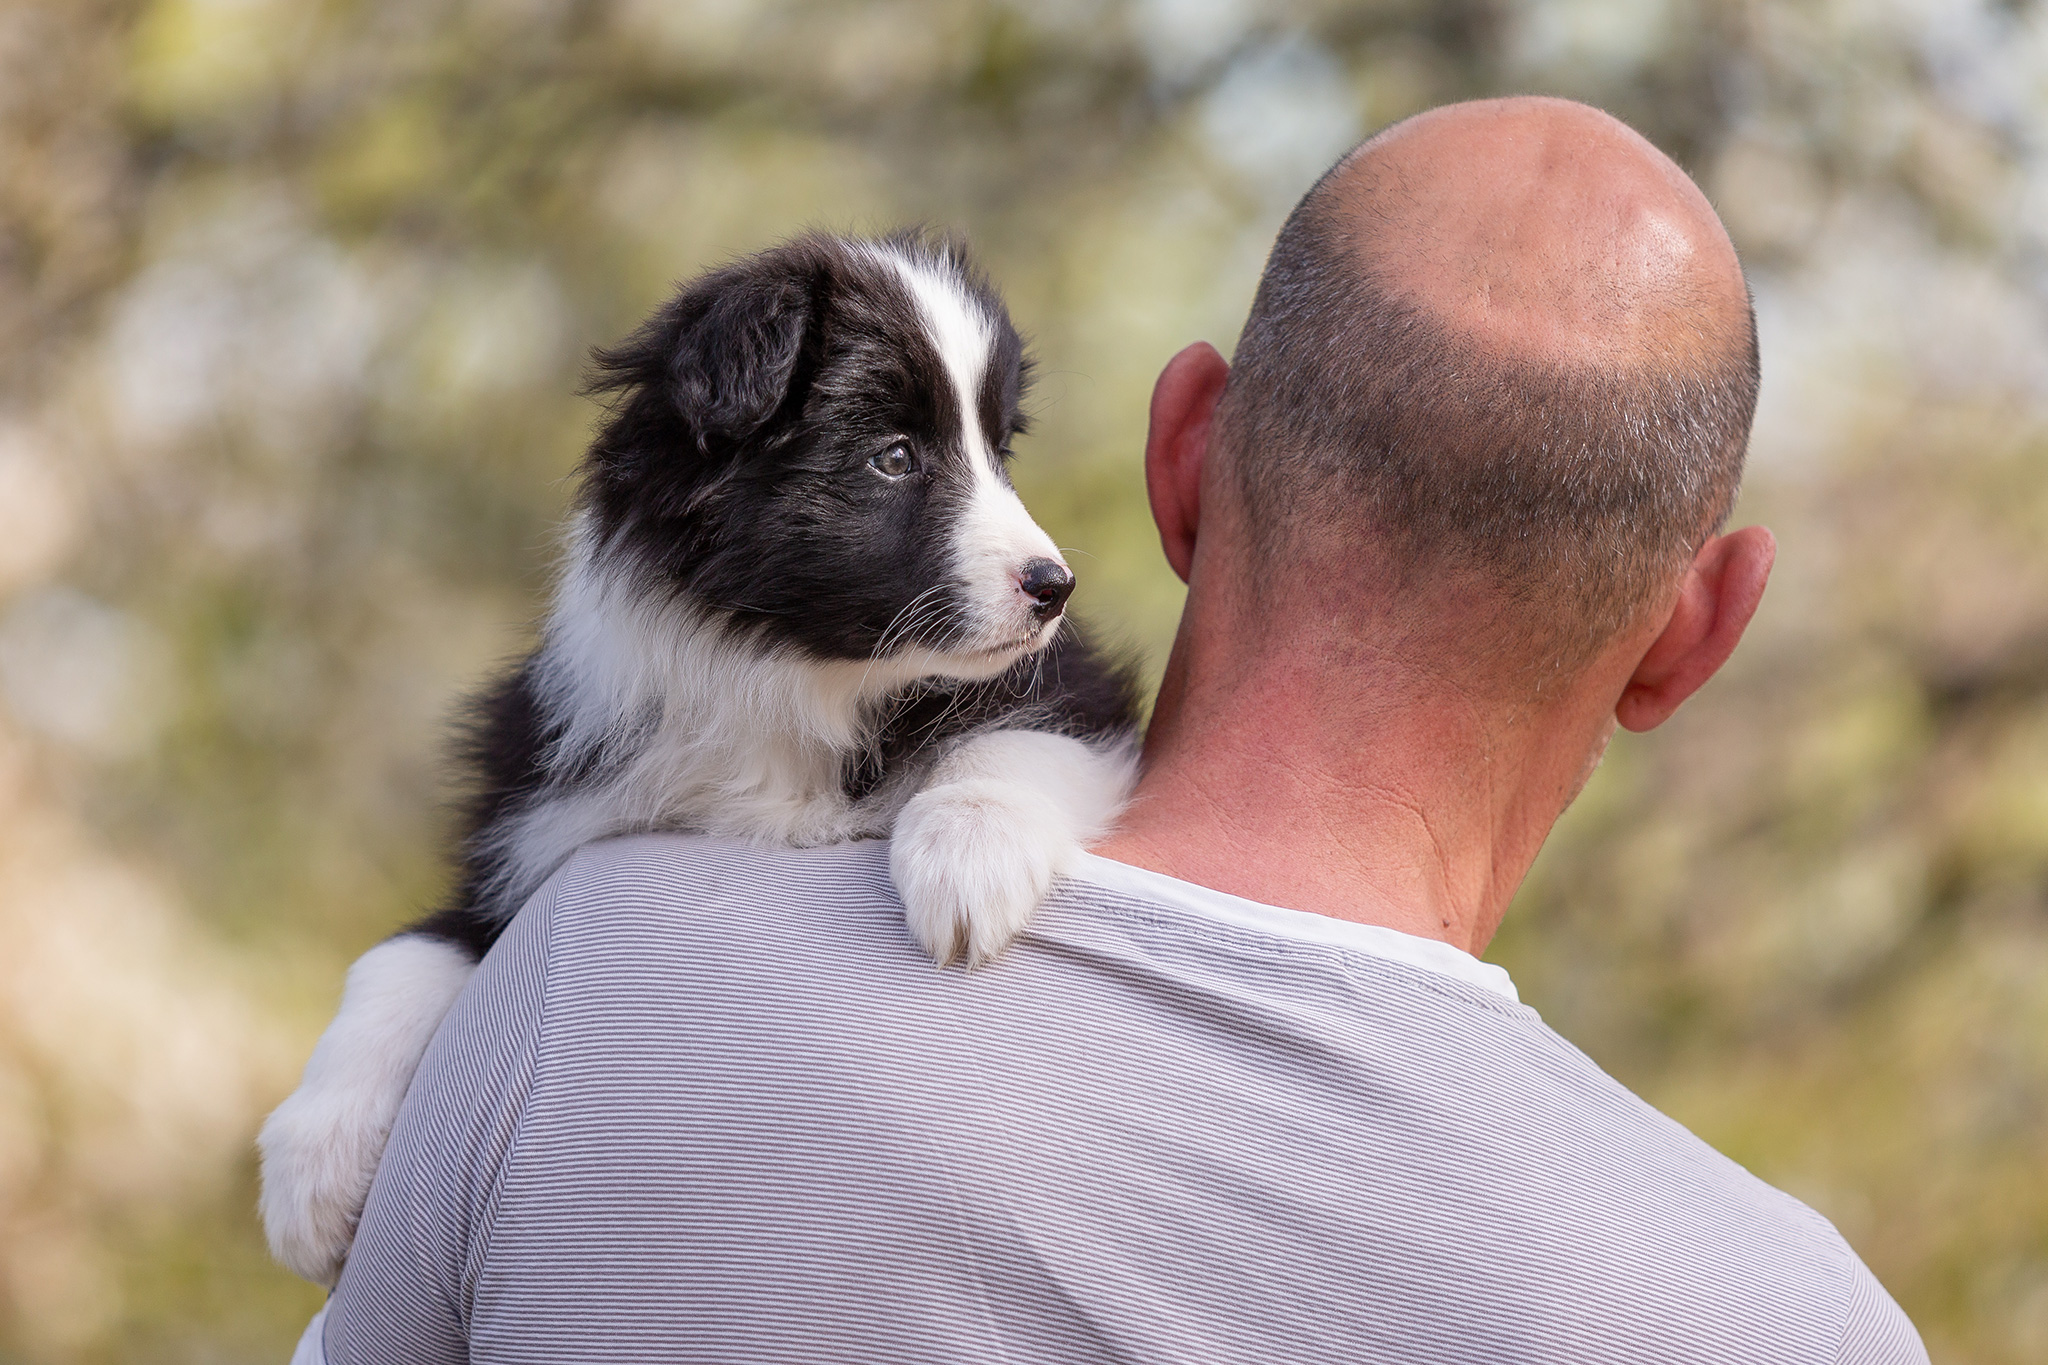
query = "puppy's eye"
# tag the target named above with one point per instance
(892, 463)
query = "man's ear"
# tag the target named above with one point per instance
(1715, 604)
(1177, 446)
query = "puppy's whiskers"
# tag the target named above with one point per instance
(906, 621)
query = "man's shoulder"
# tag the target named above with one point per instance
(674, 921)
(685, 895)
(664, 874)
(739, 1053)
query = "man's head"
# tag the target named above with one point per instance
(1501, 368)
(1451, 519)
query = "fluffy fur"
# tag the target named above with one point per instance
(801, 603)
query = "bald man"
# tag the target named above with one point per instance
(1244, 1092)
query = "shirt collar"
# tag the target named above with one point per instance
(1431, 955)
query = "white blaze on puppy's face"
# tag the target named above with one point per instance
(996, 537)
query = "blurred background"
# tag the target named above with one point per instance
(293, 299)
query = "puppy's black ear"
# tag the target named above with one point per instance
(721, 356)
(740, 333)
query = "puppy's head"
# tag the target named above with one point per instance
(813, 443)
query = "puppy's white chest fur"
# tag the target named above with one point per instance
(676, 725)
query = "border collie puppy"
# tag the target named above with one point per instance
(801, 604)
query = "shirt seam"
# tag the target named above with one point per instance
(480, 1249)
(1848, 1261)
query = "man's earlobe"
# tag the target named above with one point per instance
(1177, 447)
(1719, 597)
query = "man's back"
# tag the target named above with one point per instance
(708, 1102)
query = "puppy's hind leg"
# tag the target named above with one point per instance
(1005, 812)
(320, 1147)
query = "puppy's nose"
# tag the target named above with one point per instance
(1048, 583)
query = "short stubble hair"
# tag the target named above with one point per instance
(1354, 418)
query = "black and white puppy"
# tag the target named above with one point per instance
(802, 604)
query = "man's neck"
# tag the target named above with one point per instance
(1382, 799)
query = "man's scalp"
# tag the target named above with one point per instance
(1496, 362)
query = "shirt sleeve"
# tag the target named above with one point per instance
(1878, 1331)
(406, 1290)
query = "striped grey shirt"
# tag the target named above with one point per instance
(707, 1102)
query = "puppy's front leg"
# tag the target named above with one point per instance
(320, 1147)
(1004, 813)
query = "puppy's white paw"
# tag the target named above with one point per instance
(972, 860)
(320, 1147)
(1006, 813)
(320, 1150)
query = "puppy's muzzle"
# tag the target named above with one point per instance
(1048, 583)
